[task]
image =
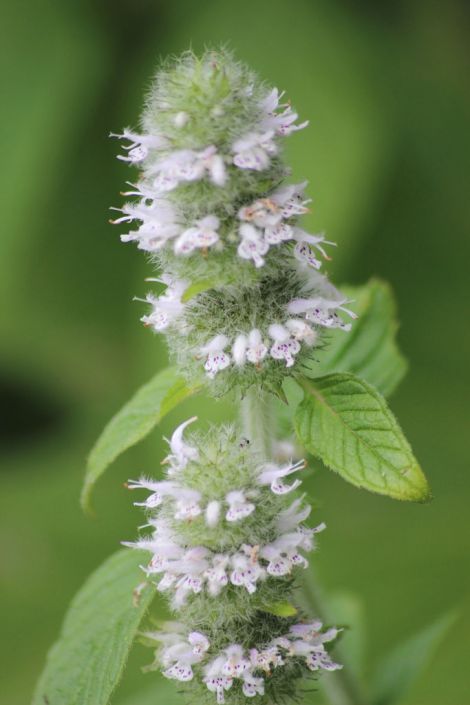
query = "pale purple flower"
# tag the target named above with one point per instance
(254, 150)
(322, 311)
(252, 245)
(202, 235)
(216, 358)
(272, 475)
(239, 508)
(139, 146)
(285, 347)
(187, 165)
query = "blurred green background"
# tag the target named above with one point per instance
(386, 88)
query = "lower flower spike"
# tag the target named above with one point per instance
(225, 543)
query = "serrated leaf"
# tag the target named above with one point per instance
(85, 664)
(402, 668)
(280, 609)
(346, 422)
(133, 422)
(369, 350)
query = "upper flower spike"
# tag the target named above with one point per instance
(226, 143)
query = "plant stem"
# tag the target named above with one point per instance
(257, 421)
(340, 687)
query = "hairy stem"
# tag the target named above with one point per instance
(257, 422)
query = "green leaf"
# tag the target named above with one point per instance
(347, 610)
(198, 287)
(133, 422)
(161, 692)
(85, 664)
(401, 669)
(346, 422)
(280, 609)
(369, 350)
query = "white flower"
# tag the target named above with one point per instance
(215, 679)
(322, 311)
(159, 491)
(249, 347)
(289, 200)
(139, 146)
(272, 474)
(159, 221)
(236, 663)
(180, 671)
(239, 508)
(294, 515)
(311, 632)
(199, 642)
(282, 123)
(239, 349)
(191, 568)
(188, 165)
(216, 575)
(320, 659)
(246, 568)
(306, 243)
(180, 655)
(181, 453)
(274, 234)
(253, 150)
(306, 630)
(301, 331)
(306, 640)
(216, 358)
(213, 513)
(161, 544)
(187, 506)
(168, 306)
(202, 235)
(257, 350)
(285, 347)
(263, 213)
(266, 659)
(284, 202)
(252, 685)
(283, 554)
(252, 246)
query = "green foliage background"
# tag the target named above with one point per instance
(386, 89)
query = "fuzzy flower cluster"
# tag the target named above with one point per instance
(249, 668)
(223, 526)
(211, 206)
(298, 325)
(166, 166)
(187, 567)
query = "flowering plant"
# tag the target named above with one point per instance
(246, 310)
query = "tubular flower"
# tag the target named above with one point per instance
(225, 539)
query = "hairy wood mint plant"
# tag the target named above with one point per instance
(239, 295)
